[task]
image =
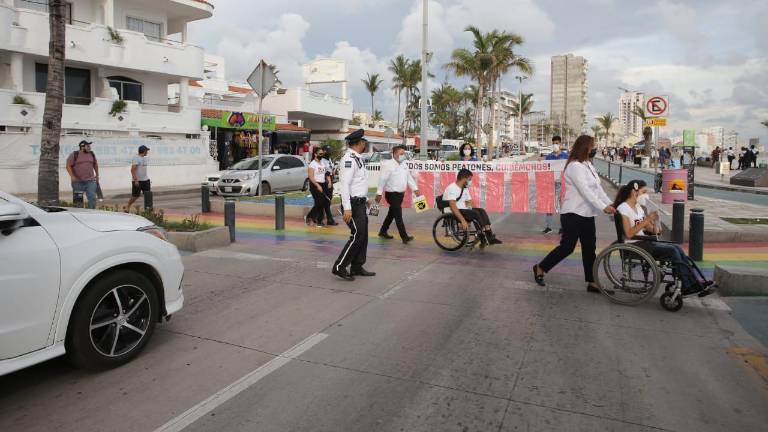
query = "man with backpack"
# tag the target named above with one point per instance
(83, 169)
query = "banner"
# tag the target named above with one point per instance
(499, 187)
(241, 120)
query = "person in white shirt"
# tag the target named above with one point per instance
(394, 181)
(353, 183)
(318, 186)
(460, 202)
(584, 199)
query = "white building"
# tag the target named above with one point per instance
(127, 50)
(568, 92)
(631, 125)
(506, 122)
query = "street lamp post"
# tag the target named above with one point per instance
(424, 87)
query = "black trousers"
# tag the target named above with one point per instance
(322, 204)
(395, 200)
(356, 249)
(575, 229)
(476, 214)
(328, 191)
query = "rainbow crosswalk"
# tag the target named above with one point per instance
(518, 253)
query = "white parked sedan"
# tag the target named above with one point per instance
(88, 284)
(279, 173)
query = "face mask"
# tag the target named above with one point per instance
(642, 199)
(469, 183)
(467, 152)
(592, 153)
(401, 158)
(556, 149)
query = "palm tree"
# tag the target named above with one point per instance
(399, 68)
(411, 81)
(377, 117)
(372, 83)
(596, 132)
(48, 169)
(526, 102)
(638, 111)
(606, 121)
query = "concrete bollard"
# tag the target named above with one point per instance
(678, 221)
(279, 211)
(205, 196)
(621, 172)
(609, 171)
(696, 235)
(229, 218)
(148, 199)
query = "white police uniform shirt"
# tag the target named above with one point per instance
(584, 195)
(635, 216)
(353, 178)
(454, 193)
(318, 171)
(328, 165)
(395, 177)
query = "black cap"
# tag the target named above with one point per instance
(84, 142)
(143, 148)
(355, 137)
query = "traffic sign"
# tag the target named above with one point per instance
(262, 79)
(657, 106)
(656, 121)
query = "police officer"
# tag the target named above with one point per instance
(354, 201)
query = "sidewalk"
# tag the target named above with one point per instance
(124, 194)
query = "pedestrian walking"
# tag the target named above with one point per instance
(467, 153)
(394, 180)
(731, 156)
(558, 153)
(716, 158)
(612, 153)
(316, 173)
(83, 170)
(354, 203)
(584, 199)
(140, 179)
(330, 170)
(753, 156)
(742, 161)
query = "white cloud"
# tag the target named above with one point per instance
(282, 46)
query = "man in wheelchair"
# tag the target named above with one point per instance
(460, 203)
(641, 229)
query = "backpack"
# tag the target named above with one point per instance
(442, 204)
(76, 153)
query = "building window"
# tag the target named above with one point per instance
(42, 6)
(151, 30)
(77, 83)
(127, 88)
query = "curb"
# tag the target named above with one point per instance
(158, 193)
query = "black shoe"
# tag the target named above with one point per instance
(385, 236)
(539, 278)
(493, 240)
(547, 230)
(408, 239)
(332, 223)
(343, 274)
(362, 272)
(592, 288)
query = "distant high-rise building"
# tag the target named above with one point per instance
(716, 137)
(568, 92)
(631, 124)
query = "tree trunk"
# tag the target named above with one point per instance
(491, 139)
(373, 113)
(48, 170)
(398, 109)
(480, 116)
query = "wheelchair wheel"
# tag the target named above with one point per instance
(448, 234)
(626, 274)
(669, 304)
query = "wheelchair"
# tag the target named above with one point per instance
(627, 274)
(448, 233)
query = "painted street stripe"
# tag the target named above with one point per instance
(220, 253)
(203, 408)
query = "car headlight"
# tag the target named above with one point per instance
(155, 231)
(249, 177)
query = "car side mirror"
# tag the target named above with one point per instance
(276, 168)
(11, 216)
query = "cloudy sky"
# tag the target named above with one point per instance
(709, 56)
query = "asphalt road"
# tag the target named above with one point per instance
(269, 340)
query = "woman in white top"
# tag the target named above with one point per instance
(317, 178)
(629, 203)
(584, 199)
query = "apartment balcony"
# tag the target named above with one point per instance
(95, 116)
(316, 110)
(26, 31)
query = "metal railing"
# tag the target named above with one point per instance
(619, 173)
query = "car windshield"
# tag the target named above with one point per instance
(250, 164)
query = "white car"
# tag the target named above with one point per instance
(280, 173)
(88, 284)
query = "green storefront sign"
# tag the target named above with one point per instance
(241, 120)
(689, 138)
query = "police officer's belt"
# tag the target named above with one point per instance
(358, 200)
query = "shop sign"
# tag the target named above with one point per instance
(241, 120)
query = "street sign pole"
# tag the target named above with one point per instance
(424, 76)
(263, 65)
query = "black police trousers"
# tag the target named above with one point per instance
(356, 249)
(395, 200)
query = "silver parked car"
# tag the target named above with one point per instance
(279, 173)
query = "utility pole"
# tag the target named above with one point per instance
(520, 79)
(424, 87)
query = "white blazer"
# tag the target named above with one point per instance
(584, 195)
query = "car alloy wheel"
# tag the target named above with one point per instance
(120, 320)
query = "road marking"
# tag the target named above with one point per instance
(203, 408)
(754, 360)
(400, 283)
(710, 302)
(218, 253)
